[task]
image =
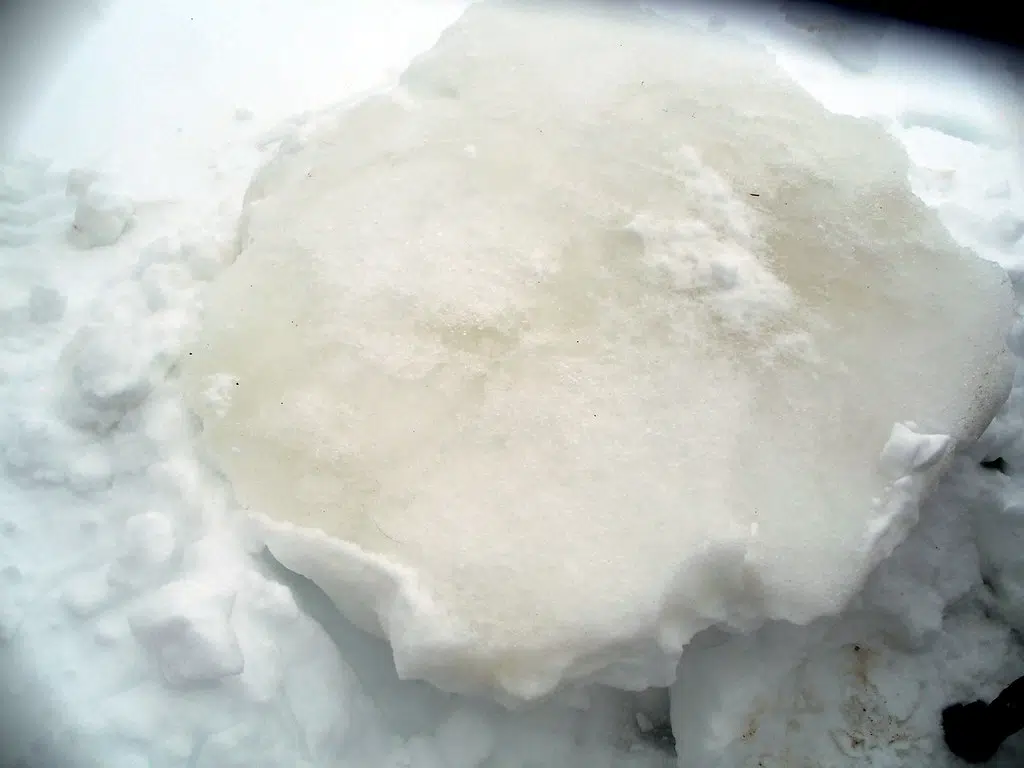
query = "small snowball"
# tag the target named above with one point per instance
(111, 364)
(100, 218)
(185, 627)
(46, 305)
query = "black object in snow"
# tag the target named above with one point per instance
(975, 731)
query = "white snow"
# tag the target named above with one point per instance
(490, 381)
(140, 625)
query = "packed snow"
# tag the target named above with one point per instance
(488, 380)
(142, 623)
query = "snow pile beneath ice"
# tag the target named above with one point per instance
(135, 628)
(669, 355)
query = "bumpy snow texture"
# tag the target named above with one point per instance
(587, 337)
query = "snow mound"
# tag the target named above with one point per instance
(589, 337)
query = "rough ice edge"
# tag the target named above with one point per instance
(917, 462)
(399, 609)
(235, 721)
(401, 603)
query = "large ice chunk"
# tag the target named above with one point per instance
(589, 336)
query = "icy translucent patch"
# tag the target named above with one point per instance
(544, 410)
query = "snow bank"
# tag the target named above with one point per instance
(573, 347)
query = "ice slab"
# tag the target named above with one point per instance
(590, 335)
